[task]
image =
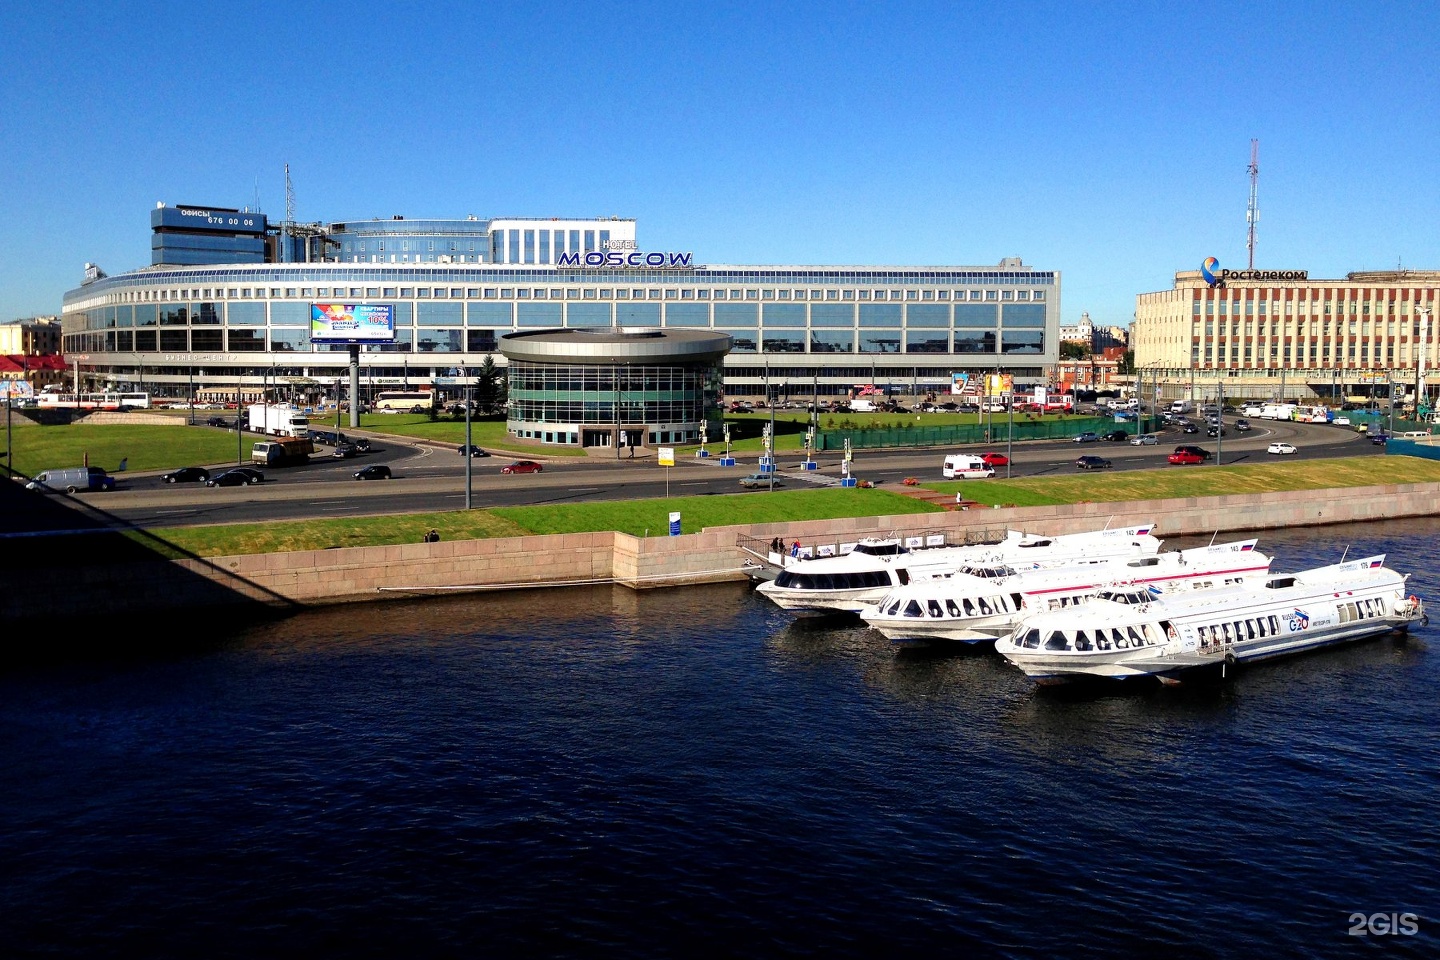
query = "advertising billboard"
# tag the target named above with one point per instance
(352, 323)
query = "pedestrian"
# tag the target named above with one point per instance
(433, 536)
(795, 549)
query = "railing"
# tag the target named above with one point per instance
(830, 545)
(997, 431)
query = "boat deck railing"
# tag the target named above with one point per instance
(916, 541)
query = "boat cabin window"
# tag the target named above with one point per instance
(1034, 543)
(1275, 583)
(934, 607)
(1031, 640)
(1057, 641)
(888, 548)
(1082, 642)
(952, 608)
(1119, 639)
(984, 606)
(1135, 639)
(1102, 642)
(1144, 562)
(912, 609)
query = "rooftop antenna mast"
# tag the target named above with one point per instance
(1252, 212)
(288, 225)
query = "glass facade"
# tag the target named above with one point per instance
(458, 286)
(589, 404)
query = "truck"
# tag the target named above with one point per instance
(1181, 406)
(278, 420)
(1277, 411)
(862, 406)
(279, 453)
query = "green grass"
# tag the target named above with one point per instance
(156, 447)
(1207, 481)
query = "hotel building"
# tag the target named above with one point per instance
(226, 303)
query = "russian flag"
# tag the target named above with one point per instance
(1247, 546)
(1376, 563)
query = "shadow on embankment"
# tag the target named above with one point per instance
(69, 571)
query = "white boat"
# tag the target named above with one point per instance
(1129, 634)
(983, 602)
(855, 580)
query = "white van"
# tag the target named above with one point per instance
(965, 466)
(72, 480)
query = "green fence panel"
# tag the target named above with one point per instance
(999, 431)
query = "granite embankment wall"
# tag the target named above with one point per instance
(291, 581)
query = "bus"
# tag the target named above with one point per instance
(407, 401)
(94, 401)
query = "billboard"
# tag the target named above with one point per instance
(352, 323)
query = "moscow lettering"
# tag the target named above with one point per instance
(615, 259)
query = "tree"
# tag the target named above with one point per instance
(490, 388)
(1126, 363)
(1073, 350)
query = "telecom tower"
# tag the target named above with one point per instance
(1252, 212)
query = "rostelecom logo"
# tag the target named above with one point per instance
(1210, 270)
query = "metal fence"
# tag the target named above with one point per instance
(999, 431)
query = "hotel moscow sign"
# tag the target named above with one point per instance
(1215, 277)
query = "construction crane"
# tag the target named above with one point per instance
(1252, 212)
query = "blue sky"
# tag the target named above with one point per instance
(1110, 144)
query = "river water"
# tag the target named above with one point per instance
(596, 773)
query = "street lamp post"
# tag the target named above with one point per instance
(468, 458)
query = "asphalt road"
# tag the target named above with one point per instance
(432, 478)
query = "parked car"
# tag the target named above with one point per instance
(1242, 426)
(1089, 436)
(473, 450)
(1092, 463)
(754, 480)
(376, 471)
(186, 475)
(1281, 448)
(522, 466)
(1185, 457)
(226, 422)
(1117, 436)
(1144, 440)
(994, 459)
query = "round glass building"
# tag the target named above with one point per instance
(613, 386)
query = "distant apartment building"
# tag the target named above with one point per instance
(35, 336)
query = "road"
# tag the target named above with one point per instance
(432, 478)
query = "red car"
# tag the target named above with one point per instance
(994, 459)
(522, 466)
(1186, 457)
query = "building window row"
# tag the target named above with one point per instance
(569, 293)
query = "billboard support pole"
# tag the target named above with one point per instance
(354, 385)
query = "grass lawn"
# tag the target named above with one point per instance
(164, 447)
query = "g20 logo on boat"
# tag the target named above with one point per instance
(1297, 621)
